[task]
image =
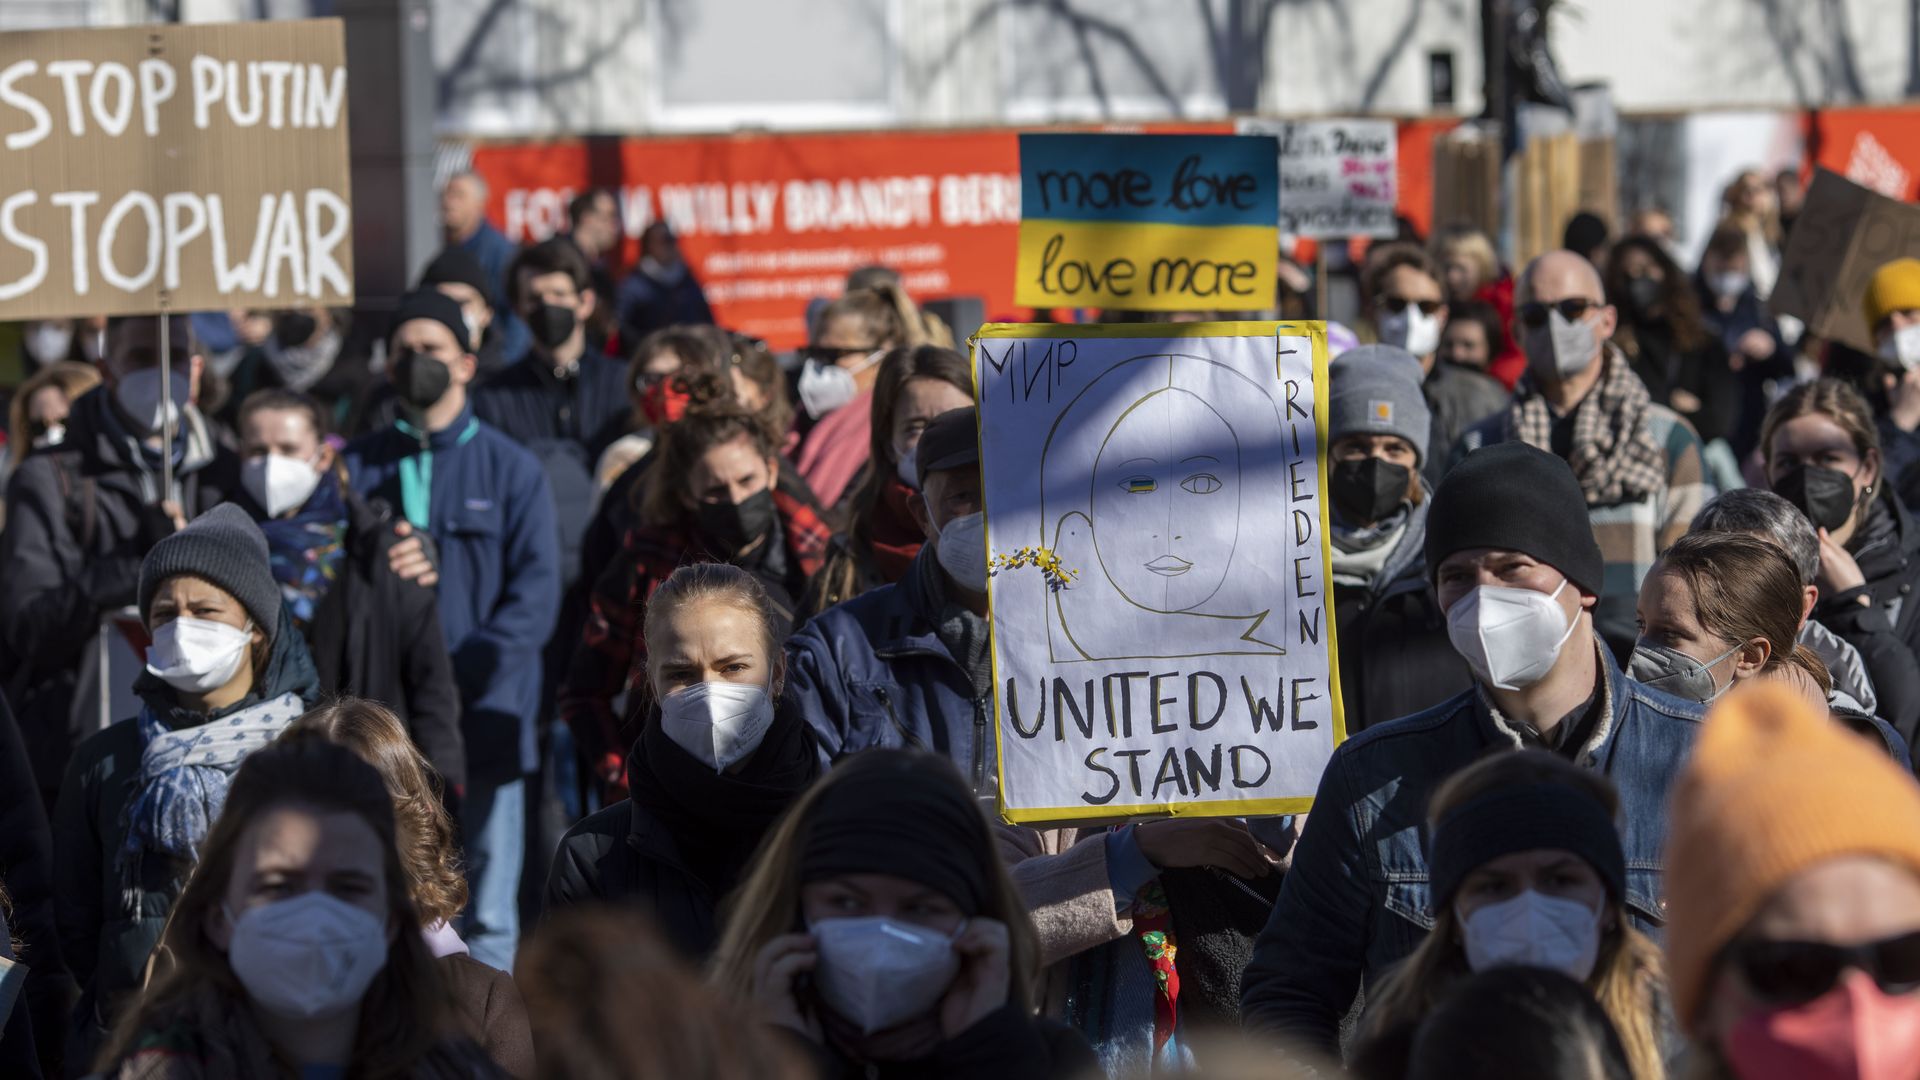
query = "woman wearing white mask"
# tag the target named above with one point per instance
(225, 674)
(717, 491)
(712, 770)
(835, 385)
(430, 857)
(295, 950)
(1722, 608)
(882, 537)
(879, 924)
(372, 633)
(1527, 870)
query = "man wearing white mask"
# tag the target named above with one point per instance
(1638, 463)
(81, 515)
(1410, 311)
(907, 664)
(373, 633)
(1518, 573)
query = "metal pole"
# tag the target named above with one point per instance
(166, 406)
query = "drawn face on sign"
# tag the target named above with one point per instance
(1166, 501)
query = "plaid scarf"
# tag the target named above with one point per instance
(1614, 455)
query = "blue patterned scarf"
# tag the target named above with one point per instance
(184, 774)
(305, 549)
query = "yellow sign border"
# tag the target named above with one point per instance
(1317, 333)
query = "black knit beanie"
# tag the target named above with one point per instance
(905, 813)
(1525, 818)
(434, 306)
(222, 546)
(1515, 497)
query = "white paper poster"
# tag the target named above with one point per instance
(1162, 641)
(1338, 178)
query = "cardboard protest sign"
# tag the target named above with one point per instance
(1843, 234)
(176, 167)
(1147, 222)
(1337, 177)
(1162, 636)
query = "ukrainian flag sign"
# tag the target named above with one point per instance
(1148, 222)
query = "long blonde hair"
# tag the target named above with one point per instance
(1629, 977)
(767, 902)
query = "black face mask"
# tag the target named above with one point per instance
(1644, 294)
(1368, 489)
(735, 525)
(551, 325)
(292, 329)
(1824, 495)
(420, 379)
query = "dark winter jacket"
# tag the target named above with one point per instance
(26, 871)
(874, 672)
(80, 518)
(566, 423)
(494, 1010)
(1458, 398)
(1886, 631)
(1356, 901)
(375, 635)
(1749, 312)
(1395, 659)
(683, 841)
(499, 560)
(1003, 1045)
(110, 916)
(645, 304)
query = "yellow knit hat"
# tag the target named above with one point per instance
(1774, 786)
(1893, 287)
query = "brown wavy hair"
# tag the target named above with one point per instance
(714, 416)
(1629, 976)
(406, 1012)
(607, 998)
(428, 846)
(72, 377)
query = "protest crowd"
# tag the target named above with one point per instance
(552, 682)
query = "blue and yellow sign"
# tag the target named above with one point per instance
(1148, 222)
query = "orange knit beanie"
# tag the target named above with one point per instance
(1893, 287)
(1774, 786)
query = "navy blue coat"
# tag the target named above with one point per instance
(1355, 901)
(493, 523)
(872, 672)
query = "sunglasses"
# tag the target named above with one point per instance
(828, 354)
(1398, 304)
(1796, 972)
(1573, 309)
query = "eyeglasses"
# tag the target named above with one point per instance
(1796, 972)
(1573, 309)
(829, 354)
(1398, 304)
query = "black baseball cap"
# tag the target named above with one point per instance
(951, 441)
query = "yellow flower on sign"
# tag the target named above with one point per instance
(1042, 558)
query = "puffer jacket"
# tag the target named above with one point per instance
(873, 672)
(110, 916)
(1356, 900)
(1886, 629)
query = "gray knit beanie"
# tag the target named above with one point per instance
(1376, 391)
(224, 547)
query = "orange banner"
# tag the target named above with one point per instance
(769, 222)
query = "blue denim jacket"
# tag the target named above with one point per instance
(1355, 901)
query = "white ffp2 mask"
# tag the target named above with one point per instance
(1533, 930)
(1509, 637)
(962, 551)
(1902, 347)
(878, 973)
(718, 722)
(277, 483)
(1411, 329)
(308, 956)
(197, 655)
